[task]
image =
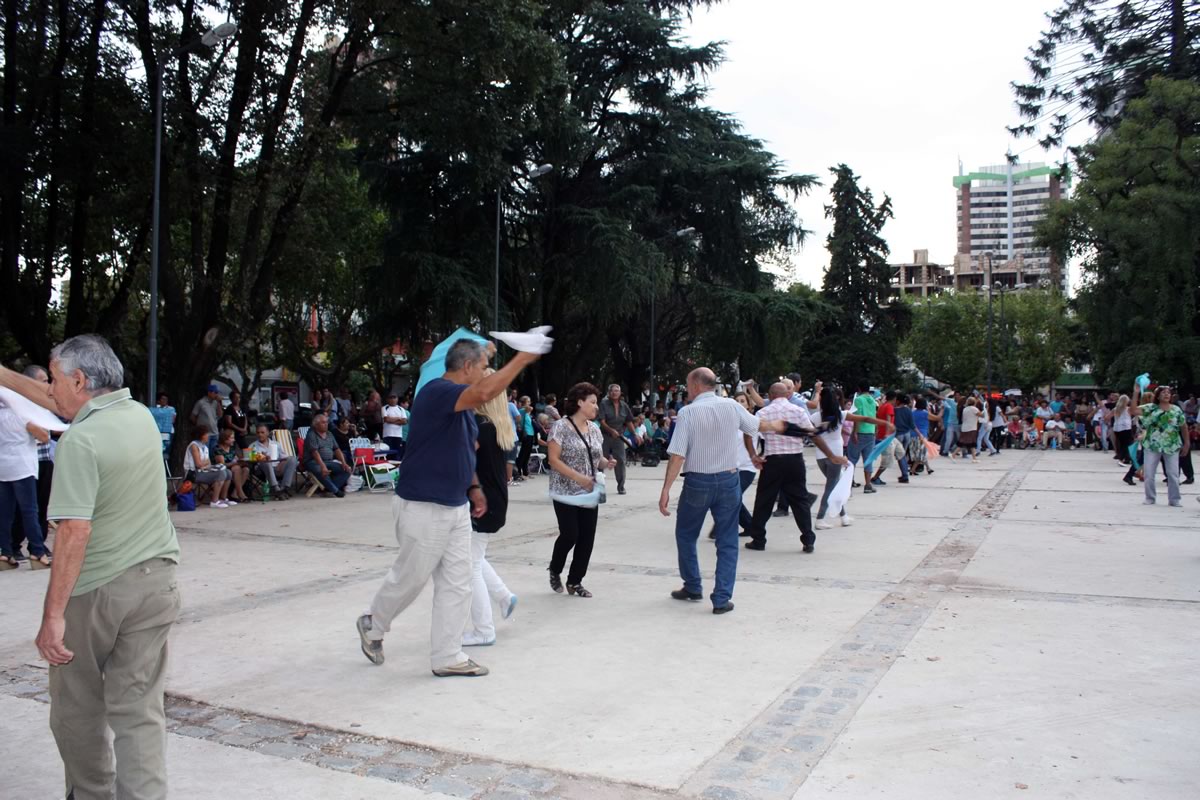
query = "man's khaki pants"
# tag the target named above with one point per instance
(118, 634)
(435, 541)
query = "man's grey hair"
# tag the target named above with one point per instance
(462, 353)
(33, 370)
(94, 357)
(616, 386)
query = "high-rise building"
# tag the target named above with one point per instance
(998, 208)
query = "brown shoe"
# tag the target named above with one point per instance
(467, 669)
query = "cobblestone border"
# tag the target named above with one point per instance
(772, 757)
(367, 756)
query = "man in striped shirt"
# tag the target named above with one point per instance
(706, 438)
(783, 470)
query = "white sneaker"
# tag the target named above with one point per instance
(231, 502)
(822, 525)
(218, 504)
(847, 521)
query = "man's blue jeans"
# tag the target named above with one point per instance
(21, 497)
(719, 493)
(949, 439)
(335, 481)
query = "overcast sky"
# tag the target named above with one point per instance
(898, 91)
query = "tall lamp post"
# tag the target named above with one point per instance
(682, 233)
(536, 173)
(210, 38)
(988, 284)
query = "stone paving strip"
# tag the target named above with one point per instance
(346, 751)
(773, 756)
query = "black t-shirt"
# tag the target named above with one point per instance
(238, 417)
(489, 468)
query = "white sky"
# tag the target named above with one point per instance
(898, 91)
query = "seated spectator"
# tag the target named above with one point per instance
(635, 438)
(1055, 430)
(198, 469)
(324, 459)
(541, 427)
(343, 432)
(228, 454)
(276, 466)
(1030, 435)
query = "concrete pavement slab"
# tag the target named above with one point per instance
(1107, 561)
(589, 686)
(197, 770)
(995, 698)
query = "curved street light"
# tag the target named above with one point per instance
(209, 38)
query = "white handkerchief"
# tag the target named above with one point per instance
(534, 340)
(31, 411)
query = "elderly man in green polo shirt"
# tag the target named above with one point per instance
(112, 597)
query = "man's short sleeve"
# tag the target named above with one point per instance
(747, 422)
(76, 481)
(679, 437)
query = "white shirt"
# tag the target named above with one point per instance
(1045, 413)
(704, 432)
(970, 421)
(1123, 422)
(833, 438)
(287, 409)
(18, 450)
(1055, 425)
(745, 463)
(390, 429)
(188, 461)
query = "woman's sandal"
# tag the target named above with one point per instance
(41, 562)
(578, 590)
(8, 562)
(556, 583)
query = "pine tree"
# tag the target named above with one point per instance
(862, 340)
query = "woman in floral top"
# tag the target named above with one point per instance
(573, 469)
(1165, 437)
(227, 452)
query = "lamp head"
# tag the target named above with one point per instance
(218, 34)
(685, 232)
(538, 172)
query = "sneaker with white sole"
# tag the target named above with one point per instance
(218, 504)
(372, 648)
(467, 669)
(231, 502)
(822, 525)
(847, 520)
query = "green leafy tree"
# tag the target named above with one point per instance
(861, 342)
(948, 338)
(1134, 224)
(1034, 344)
(1096, 56)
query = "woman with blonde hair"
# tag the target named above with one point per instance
(1122, 425)
(495, 439)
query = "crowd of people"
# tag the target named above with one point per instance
(112, 595)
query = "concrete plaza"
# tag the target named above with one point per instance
(1021, 627)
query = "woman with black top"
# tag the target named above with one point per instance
(575, 455)
(236, 419)
(491, 445)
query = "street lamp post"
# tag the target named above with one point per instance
(682, 233)
(211, 38)
(536, 173)
(988, 283)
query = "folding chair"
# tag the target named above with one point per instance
(377, 472)
(537, 461)
(291, 447)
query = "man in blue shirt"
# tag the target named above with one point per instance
(437, 494)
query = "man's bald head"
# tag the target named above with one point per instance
(701, 380)
(779, 390)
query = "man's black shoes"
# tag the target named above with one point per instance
(725, 609)
(752, 545)
(684, 594)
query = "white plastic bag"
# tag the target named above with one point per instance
(841, 493)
